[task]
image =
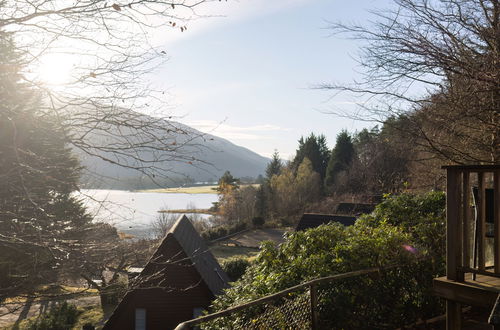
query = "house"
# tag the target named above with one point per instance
(313, 220)
(472, 251)
(177, 284)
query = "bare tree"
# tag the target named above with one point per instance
(435, 64)
(98, 111)
(114, 47)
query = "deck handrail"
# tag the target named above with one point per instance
(459, 181)
(312, 284)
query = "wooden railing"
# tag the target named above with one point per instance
(466, 221)
(311, 286)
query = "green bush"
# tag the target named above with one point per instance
(221, 231)
(235, 267)
(61, 317)
(403, 230)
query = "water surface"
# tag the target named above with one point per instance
(133, 212)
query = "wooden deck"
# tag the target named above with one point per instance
(481, 292)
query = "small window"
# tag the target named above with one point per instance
(140, 319)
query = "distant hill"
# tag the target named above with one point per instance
(199, 158)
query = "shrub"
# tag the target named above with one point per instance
(221, 231)
(235, 267)
(61, 317)
(401, 231)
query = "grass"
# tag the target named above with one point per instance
(88, 314)
(202, 211)
(190, 190)
(184, 190)
(224, 252)
(46, 291)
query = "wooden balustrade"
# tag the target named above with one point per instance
(467, 239)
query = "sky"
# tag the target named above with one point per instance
(246, 70)
(249, 74)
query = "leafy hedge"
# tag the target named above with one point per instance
(406, 230)
(235, 267)
(221, 231)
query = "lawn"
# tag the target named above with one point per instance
(188, 190)
(87, 314)
(184, 190)
(224, 252)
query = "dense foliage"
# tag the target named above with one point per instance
(407, 231)
(340, 158)
(235, 267)
(38, 214)
(60, 317)
(315, 149)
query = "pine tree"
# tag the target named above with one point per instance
(38, 175)
(275, 166)
(340, 159)
(314, 148)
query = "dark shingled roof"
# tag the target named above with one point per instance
(196, 249)
(354, 208)
(313, 220)
(156, 272)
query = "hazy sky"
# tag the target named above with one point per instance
(247, 75)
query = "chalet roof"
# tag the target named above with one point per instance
(195, 248)
(354, 208)
(313, 220)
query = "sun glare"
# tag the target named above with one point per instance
(55, 69)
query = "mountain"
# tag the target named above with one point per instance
(179, 155)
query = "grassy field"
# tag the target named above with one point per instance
(189, 190)
(224, 252)
(87, 314)
(184, 190)
(201, 211)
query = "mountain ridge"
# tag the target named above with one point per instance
(201, 157)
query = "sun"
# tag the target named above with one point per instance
(55, 69)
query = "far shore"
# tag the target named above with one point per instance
(201, 211)
(184, 190)
(190, 190)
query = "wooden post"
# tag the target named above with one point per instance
(465, 219)
(496, 212)
(481, 228)
(453, 315)
(313, 290)
(453, 244)
(453, 228)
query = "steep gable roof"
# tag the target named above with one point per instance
(313, 220)
(203, 260)
(196, 253)
(181, 251)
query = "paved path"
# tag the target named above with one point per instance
(13, 313)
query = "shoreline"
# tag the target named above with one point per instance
(192, 211)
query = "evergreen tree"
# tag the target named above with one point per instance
(340, 159)
(228, 182)
(275, 166)
(38, 214)
(315, 149)
(261, 202)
